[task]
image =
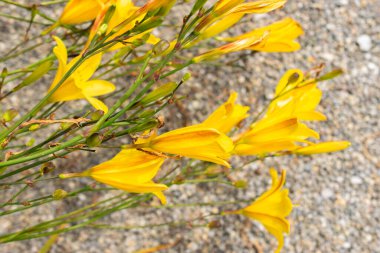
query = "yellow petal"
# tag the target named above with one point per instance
(161, 197)
(99, 105)
(67, 91)
(324, 147)
(289, 81)
(79, 11)
(131, 170)
(227, 116)
(86, 69)
(260, 6)
(60, 52)
(95, 88)
(220, 26)
(262, 148)
(196, 142)
(136, 188)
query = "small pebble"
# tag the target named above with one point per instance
(364, 42)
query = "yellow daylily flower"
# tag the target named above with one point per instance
(198, 142)
(260, 6)
(271, 137)
(131, 170)
(294, 98)
(78, 85)
(227, 116)
(230, 48)
(124, 10)
(227, 13)
(80, 11)
(272, 208)
(280, 37)
(323, 147)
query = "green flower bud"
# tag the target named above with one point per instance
(30, 142)
(34, 127)
(96, 115)
(40, 71)
(9, 114)
(59, 194)
(240, 184)
(159, 93)
(186, 77)
(94, 140)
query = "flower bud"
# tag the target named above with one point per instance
(59, 194)
(240, 184)
(40, 71)
(9, 114)
(96, 115)
(94, 140)
(30, 142)
(214, 224)
(46, 168)
(186, 77)
(159, 93)
(34, 127)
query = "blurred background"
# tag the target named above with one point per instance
(338, 194)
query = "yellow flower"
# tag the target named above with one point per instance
(273, 136)
(280, 129)
(272, 208)
(295, 97)
(131, 170)
(198, 142)
(279, 37)
(80, 11)
(226, 13)
(124, 10)
(227, 116)
(323, 147)
(229, 48)
(78, 85)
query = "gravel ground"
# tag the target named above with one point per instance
(338, 195)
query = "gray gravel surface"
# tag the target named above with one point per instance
(338, 194)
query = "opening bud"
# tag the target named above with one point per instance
(46, 168)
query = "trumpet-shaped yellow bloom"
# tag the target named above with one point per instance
(78, 85)
(295, 97)
(260, 6)
(125, 10)
(80, 11)
(230, 48)
(227, 13)
(280, 129)
(272, 137)
(198, 142)
(227, 116)
(279, 37)
(323, 147)
(131, 170)
(272, 208)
